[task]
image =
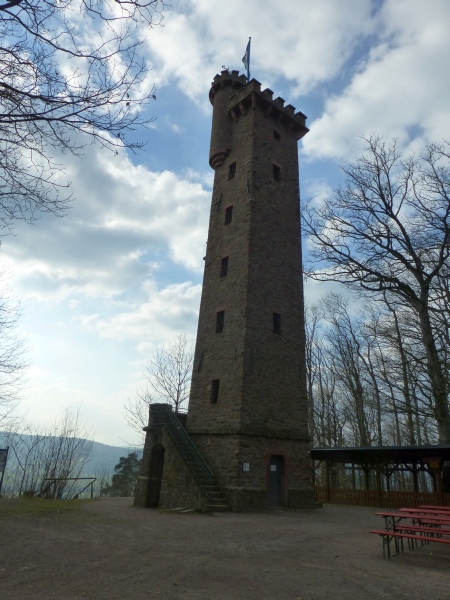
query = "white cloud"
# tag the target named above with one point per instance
(400, 91)
(165, 313)
(120, 274)
(318, 191)
(124, 223)
(305, 42)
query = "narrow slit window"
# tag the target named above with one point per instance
(276, 172)
(277, 323)
(276, 135)
(232, 171)
(220, 321)
(215, 385)
(224, 266)
(228, 215)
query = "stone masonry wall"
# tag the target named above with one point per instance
(262, 409)
(262, 375)
(246, 490)
(178, 486)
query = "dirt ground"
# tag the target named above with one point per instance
(106, 549)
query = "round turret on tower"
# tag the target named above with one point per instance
(222, 88)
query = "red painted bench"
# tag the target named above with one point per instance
(422, 529)
(388, 536)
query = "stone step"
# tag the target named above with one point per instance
(217, 494)
(217, 508)
(215, 498)
(216, 501)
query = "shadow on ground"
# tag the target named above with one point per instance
(106, 549)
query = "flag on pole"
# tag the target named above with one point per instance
(246, 58)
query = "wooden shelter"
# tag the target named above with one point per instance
(385, 476)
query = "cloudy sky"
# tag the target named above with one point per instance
(121, 274)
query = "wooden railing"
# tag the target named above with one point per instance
(379, 499)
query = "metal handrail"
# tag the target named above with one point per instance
(178, 433)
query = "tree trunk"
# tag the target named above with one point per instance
(436, 374)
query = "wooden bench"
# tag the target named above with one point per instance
(439, 531)
(388, 536)
(442, 508)
(444, 514)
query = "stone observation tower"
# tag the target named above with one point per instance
(245, 443)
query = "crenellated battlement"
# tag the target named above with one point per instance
(232, 96)
(251, 94)
(226, 79)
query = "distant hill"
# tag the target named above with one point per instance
(105, 457)
(31, 458)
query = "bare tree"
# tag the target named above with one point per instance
(387, 231)
(327, 419)
(69, 71)
(312, 320)
(137, 410)
(366, 374)
(12, 357)
(168, 375)
(346, 355)
(58, 450)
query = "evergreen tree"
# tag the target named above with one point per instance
(125, 474)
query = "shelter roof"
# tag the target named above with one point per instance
(383, 454)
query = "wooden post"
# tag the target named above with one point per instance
(415, 478)
(327, 477)
(367, 476)
(435, 467)
(378, 476)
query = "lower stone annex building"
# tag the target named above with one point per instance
(244, 443)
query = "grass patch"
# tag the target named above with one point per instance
(11, 507)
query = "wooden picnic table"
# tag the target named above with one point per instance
(392, 519)
(426, 511)
(414, 525)
(444, 508)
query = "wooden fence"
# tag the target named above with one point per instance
(379, 498)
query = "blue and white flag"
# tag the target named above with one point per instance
(246, 59)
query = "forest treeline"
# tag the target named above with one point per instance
(381, 376)
(367, 376)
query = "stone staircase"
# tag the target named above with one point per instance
(214, 500)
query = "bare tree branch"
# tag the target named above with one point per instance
(168, 375)
(62, 86)
(387, 232)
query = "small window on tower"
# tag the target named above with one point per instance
(224, 266)
(277, 323)
(276, 172)
(228, 215)
(276, 135)
(220, 321)
(232, 171)
(215, 384)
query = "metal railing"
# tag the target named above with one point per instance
(194, 460)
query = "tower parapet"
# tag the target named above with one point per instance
(223, 86)
(231, 97)
(251, 95)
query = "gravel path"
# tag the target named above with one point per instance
(110, 550)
